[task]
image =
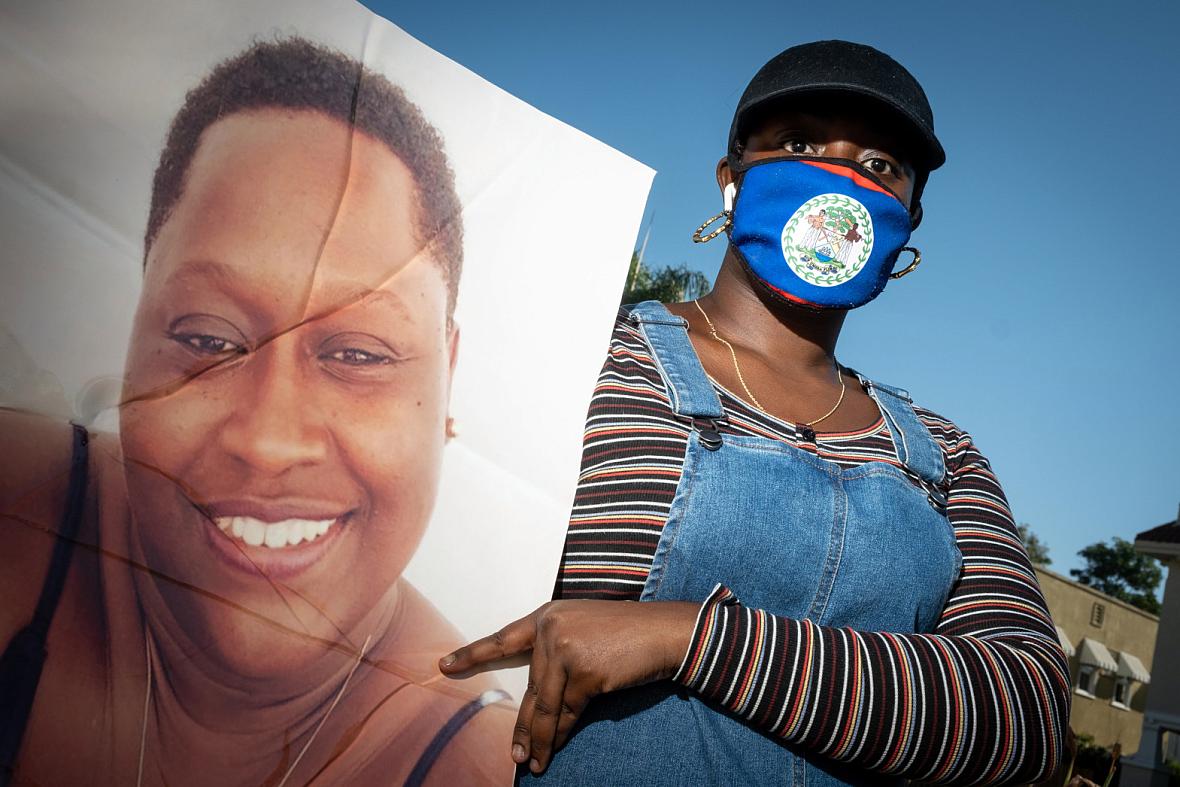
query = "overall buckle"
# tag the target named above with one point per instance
(707, 432)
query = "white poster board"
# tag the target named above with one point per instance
(299, 420)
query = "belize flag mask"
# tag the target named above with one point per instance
(818, 233)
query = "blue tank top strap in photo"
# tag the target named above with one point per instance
(24, 656)
(689, 389)
(447, 732)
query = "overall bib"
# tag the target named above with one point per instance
(868, 548)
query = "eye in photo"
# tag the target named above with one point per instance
(265, 330)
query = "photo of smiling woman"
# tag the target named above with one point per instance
(226, 603)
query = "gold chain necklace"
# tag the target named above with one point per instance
(737, 368)
(147, 702)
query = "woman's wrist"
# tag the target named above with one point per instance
(672, 625)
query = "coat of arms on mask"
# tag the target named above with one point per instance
(827, 241)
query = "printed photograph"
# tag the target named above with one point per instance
(273, 438)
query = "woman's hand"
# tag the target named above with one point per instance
(579, 649)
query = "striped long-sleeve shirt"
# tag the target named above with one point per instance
(983, 699)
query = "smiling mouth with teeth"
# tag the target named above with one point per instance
(275, 535)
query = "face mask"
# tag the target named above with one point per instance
(819, 233)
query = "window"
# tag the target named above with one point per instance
(1122, 693)
(1087, 680)
(1170, 745)
(1097, 615)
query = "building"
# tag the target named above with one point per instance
(1161, 717)
(1110, 645)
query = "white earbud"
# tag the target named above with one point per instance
(729, 194)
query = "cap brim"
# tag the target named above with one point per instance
(929, 154)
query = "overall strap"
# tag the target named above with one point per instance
(915, 446)
(689, 389)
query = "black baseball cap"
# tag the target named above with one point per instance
(843, 67)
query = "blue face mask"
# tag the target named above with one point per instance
(819, 233)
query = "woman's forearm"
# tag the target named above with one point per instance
(930, 707)
(983, 698)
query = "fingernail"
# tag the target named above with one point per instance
(448, 660)
(518, 753)
(534, 766)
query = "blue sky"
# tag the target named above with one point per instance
(1045, 318)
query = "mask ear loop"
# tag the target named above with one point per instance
(917, 260)
(728, 195)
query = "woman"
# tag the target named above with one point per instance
(231, 603)
(834, 590)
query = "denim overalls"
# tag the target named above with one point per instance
(866, 548)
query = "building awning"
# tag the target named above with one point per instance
(1094, 654)
(1066, 645)
(1131, 667)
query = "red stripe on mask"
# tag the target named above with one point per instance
(792, 298)
(853, 175)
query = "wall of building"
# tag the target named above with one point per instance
(1122, 628)
(1166, 688)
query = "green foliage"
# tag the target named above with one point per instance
(667, 285)
(839, 219)
(1093, 761)
(1118, 570)
(1173, 769)
(1038, 551)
